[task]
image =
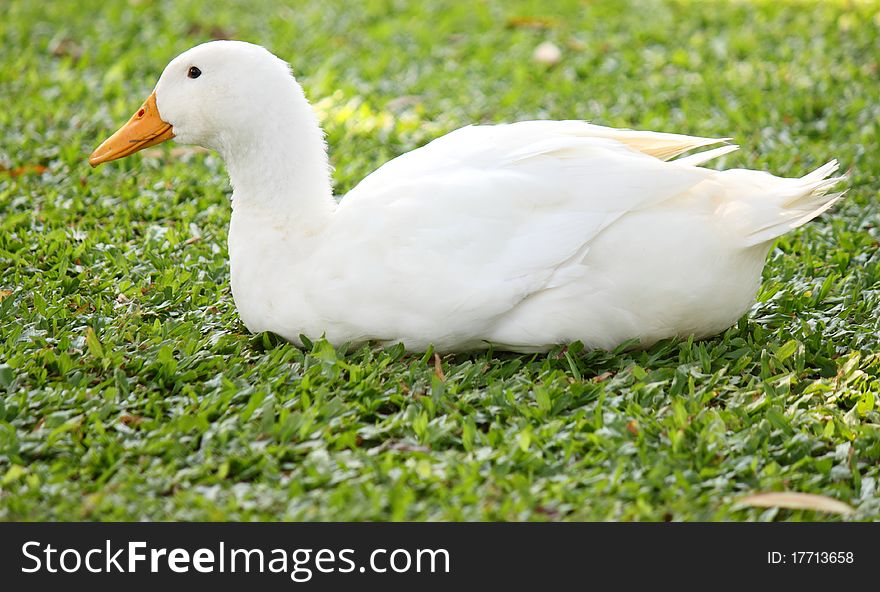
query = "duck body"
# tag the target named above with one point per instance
(522, 236)
(519, 236)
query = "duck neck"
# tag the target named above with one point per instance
(279, 166)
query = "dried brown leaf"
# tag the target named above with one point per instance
(793, 500)
(28, 169)
(633, 427)
(531, 22)
(438, 367)
(131, 420)
(215, 32)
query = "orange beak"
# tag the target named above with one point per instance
(145, 128)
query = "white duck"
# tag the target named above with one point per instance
(522, 236)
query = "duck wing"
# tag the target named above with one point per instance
(460, 231)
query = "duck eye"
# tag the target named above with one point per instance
(194, 72)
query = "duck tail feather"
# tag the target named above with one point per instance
(707, 155)
(798, 201)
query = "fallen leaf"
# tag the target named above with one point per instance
(603, 377)
(36, 169)
(438, 367)
(546, 511)
(531, 22)
(576, 44)
(633, 428)
(4, 294)
(404, 447)
(213, 31)
(66, 47)
(794, 500)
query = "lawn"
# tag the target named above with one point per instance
(130, 390)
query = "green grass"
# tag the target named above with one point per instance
(129, 388)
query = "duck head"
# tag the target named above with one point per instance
(221, 95)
